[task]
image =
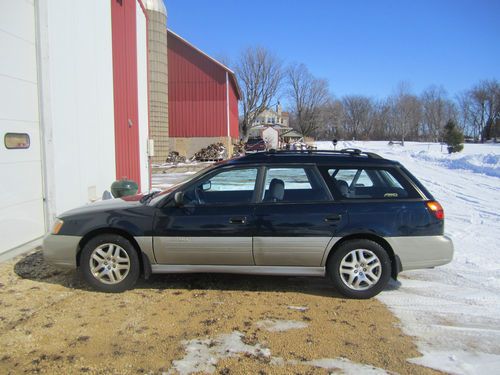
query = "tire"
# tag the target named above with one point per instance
(110, 263)
(359, 269)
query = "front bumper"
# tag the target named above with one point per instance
(422, 251)
(61, 250)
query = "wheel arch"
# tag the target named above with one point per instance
(145, 264)
(395, 261)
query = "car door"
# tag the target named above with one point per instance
(296, 217)
(214, 226)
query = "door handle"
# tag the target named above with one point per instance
(238, 220)
(333, 218)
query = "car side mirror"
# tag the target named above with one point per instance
(206, 186)
(179, 199)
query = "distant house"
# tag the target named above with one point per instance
(273, 117)
(277, 120)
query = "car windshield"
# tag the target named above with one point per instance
(254, 141)
(185, 180)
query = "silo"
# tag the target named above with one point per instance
(158, 78)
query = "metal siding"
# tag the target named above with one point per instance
(125, 89)
(196, 93)
(233, 112)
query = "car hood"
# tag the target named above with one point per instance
(105, 205)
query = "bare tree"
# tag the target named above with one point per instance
(332, 114)
(260, 75)
(483, 102)
(308, 96)
(381, 119)
(464, 113)
(358, 113)
(437, 110)
(405, 113)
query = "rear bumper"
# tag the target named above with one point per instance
(422, 251)
(61, 250)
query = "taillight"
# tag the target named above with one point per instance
(436, 209)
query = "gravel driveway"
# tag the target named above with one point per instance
(50, 322)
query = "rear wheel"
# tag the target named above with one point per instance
(110, 263)
(359, 268)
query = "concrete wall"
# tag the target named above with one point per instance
(158, 83)
(189, 146)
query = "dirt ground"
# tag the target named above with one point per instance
(50, 322)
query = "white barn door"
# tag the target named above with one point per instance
(22, 217)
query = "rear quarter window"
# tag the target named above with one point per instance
(369, 183)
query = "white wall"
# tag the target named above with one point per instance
(142, 86)
(77, 99)
(21, 198)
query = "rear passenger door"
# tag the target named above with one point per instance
(295, 218)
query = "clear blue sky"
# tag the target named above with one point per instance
(361, 47)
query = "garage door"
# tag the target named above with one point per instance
(21, 192)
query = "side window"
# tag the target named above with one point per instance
(370, 183)
(16, 141)
(227, 186)
(293, 185)
(348, 175)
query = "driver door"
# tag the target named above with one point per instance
(215, 224)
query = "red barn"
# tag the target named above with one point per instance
(203, 98)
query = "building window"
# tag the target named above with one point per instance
(14, 141)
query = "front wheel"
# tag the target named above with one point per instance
(359, 269)
(110, 263)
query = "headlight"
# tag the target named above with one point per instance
(57, 226)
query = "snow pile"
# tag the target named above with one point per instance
(203, 355)
(273, 325)
(488, 164)
(453, 310)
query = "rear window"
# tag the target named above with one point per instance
(370, 183)
(254, 141)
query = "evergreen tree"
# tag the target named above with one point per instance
(453, 137)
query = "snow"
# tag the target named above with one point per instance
(345, 366)
(274, 325)
(453, 310)
(298, 308)
(168, 179)
(202, 355)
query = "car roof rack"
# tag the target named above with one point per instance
(345, 151)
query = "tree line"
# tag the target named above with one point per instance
(402, 115)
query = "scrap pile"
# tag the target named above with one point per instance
(213, 152)
(174, 157)
(238, 149)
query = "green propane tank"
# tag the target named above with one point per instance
(124, 187)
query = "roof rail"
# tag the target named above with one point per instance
(345, 151)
